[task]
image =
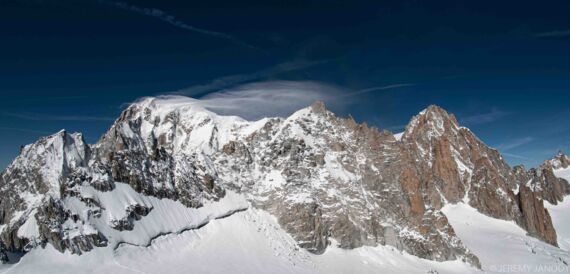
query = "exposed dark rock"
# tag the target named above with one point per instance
(535, 218)
(307, 217)
(456, 166)
(133, 213)
(3, 256)
(51, 219)
(542, 180)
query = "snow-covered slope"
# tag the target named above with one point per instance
(561, 219)
(563, 173)
(502, 246)
(561, 212)
(250, 241)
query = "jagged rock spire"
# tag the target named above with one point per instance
(319, 107)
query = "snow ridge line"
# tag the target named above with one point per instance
(200, 225)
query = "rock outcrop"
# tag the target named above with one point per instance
(322, 177)
(328, 177)
(559, 161)
(456, 166)
(535, 218)
(543, 181)
(33, 187)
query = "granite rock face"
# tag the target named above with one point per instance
(326, 179)
(456, 166)
(559, 161)
(144, 158)
(33, 187)
(535, 218)
(543, 181)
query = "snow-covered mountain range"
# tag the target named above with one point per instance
(174, 187)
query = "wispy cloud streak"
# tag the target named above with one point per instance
(515, 143)
(34, 99)
(484, 118)
(505, 148)
(171, 19)
(270, 99)
(228, 81)
(47, 117)
(366, 90)
(516, 156)
(372, 89)
(396, 128)
(25, 130)
(554, 33)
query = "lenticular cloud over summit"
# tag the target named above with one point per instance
(269, 99)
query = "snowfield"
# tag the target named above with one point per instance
(229, 236)
(560, 213)
(502, 246)
(251, 241)
(246, 242)
(563, 173)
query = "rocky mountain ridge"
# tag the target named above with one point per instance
(322, 177)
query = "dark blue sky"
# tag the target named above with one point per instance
(503, 67)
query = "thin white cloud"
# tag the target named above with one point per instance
(232, 80)
(554, 33)
(371, 89)
(25, 130)
(46, 117)
(483, 118)
(396, 128)
(33, 99)
(270, 99)
(515, 143)
(516, 156)
(171, 19)
(505, 148)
